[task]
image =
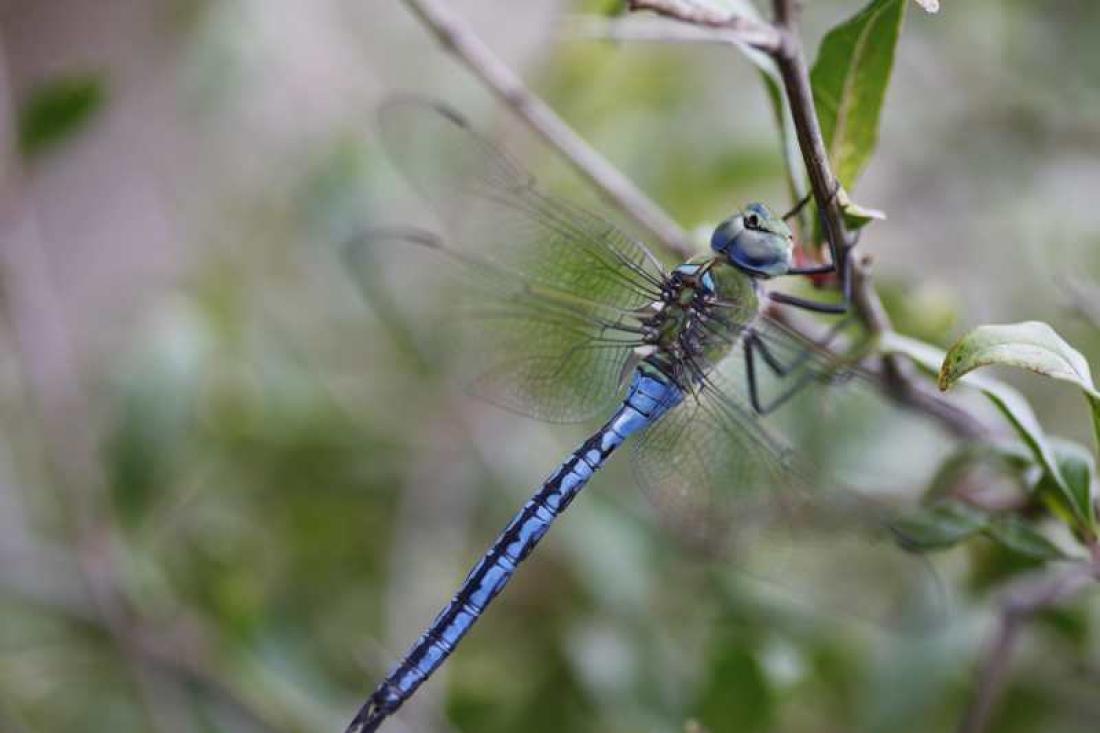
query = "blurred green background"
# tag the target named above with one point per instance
(228, 501)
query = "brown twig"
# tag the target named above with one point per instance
(1021, 602)
(652, 30)
(739, 29)
(461, 41)
(796, 82)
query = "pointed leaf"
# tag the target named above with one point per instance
(1010, 403)
(856, 216)
(849, 81)
(1077, 468)
(1018, 536)
(1031, 345)
(939, 526)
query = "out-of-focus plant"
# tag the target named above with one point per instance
(234, 567)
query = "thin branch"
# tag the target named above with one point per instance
(738, 28)
(796, 81)
(894, 378)
(786, 12)
(459, 39)
(647, 30)
(1021, 602)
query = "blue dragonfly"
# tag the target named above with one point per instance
(569, 308)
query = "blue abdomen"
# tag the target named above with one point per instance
(651, 395)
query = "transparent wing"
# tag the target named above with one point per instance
(710, 464)
(796, 500)
(715, 462)
(519, 345)
(490, 205)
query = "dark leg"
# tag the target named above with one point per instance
(751, 345)
(754, 344)
(781, 369)
(750, 371)
(813, 270)
(798, 207)
(810, 305)
(816, 307)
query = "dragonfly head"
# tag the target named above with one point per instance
(755, 241)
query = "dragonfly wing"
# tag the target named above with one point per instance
(843, 425)
(489, 204)
(838, 423)
(519, 345)
(734, 491)
(710, 465)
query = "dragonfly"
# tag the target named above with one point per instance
(572, 309)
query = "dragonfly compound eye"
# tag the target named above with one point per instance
(754, 241)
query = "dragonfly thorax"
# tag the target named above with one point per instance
(704, 307)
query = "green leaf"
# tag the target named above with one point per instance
(1010, 403)
(939, 526)
(849, 81)
(56, 110)
(1030, 345)
(856, 216)
(1018, 536)
(1076, 466)
(736, 697)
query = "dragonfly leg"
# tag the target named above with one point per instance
(752, 345)
(781, 369)
(798, 207)
(813, 305)
(755, 345)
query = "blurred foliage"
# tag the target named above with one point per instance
(57, 109)
(291, 492)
